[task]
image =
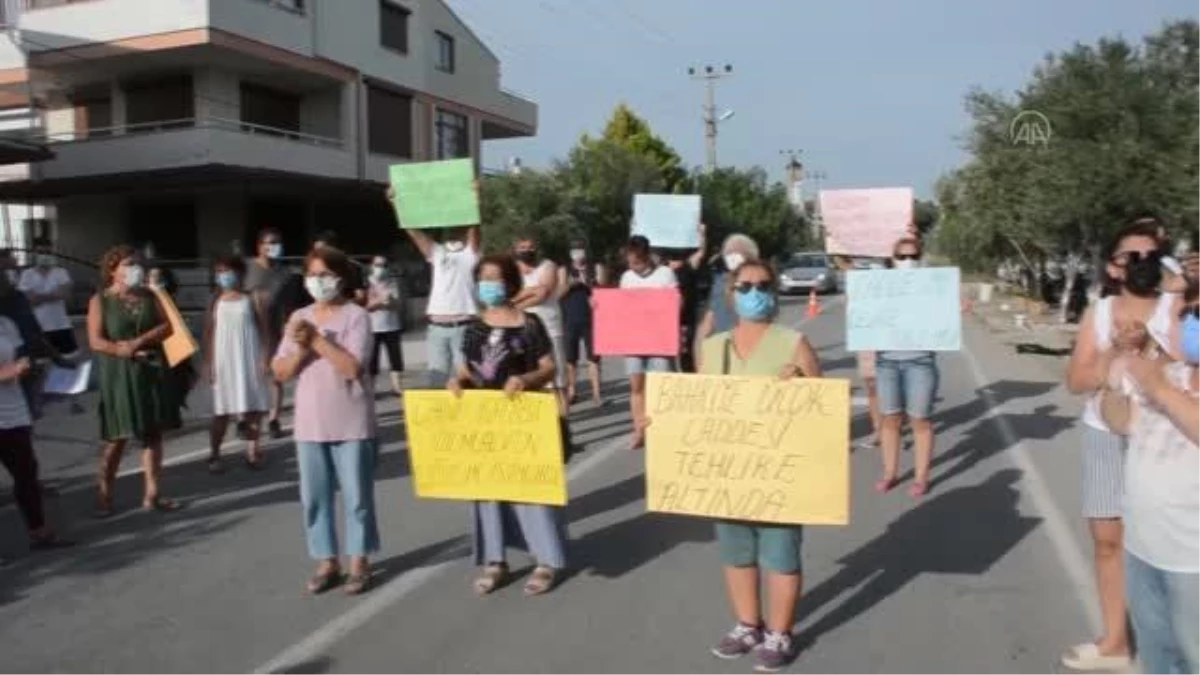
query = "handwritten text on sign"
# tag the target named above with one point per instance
(636, 321)
(485, 446)
(865, 222)
(904, 310)
(749, 448)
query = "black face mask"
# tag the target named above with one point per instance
(1143, 274)
(527, 257)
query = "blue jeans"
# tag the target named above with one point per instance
(906, 386)
(443, 352)
(323, 468)
(1165, 608)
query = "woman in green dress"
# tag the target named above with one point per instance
(126, 328)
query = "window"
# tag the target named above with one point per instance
(389, 123)
(445, 52)
(450, 132)
(266, 107)
(165, 100)
(93, 115)
(393, 26)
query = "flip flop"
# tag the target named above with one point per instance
(490, 579)
(161, 505)
(541, 581)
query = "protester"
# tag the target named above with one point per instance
(451, 304)
(757, 346)
(48, 287)
(507, 348)
(539, 296)
(126, 327)
(279, 292)
(355, 283)
(237, 353)
(719, 317)
(16, 440)
(1161, 503)
(1133, 317)
(906, 383)
(15, 305)
(575, 283)
(386, 305)
(642, 272)
(324, 350)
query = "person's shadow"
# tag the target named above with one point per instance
(963, 531)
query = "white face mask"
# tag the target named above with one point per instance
(378, 272)
(274, 251)
(133, 275)
(323, 289)
(734, 261)
(454, 245)
(578, 255)
(906, 264)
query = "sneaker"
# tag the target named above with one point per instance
(775, 652)
(738, 642)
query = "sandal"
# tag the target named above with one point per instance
(104, 509)
(885, 485)
(490, 580)
(357, 582)
(216, 466)
(919, 489)
(541, 581)
(255, 462)
(161, 505)
(324, 581)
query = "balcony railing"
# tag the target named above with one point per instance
(160, 126)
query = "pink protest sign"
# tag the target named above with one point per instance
(865, 222)
(636, 321)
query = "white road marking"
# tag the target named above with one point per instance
(379, 599)
(1070, 555)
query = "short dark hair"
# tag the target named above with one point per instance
(638, 245)
(42, 242)
(269, 232)
(338, 263)
(232, 262)
(909, 241)
(328, 236)
(508, 271)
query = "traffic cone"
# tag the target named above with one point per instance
(814, 308)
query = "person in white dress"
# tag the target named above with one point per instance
(237, 361)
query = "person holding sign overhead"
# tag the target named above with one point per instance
(643, 272)
(758, 347)
(126, 328)
(325, 351)
(507, 348)
(451, 303)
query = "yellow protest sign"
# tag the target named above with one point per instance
(485, 446)
(749, 448)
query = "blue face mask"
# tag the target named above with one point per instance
(492, 293)
(754, 305)
(226, 279)
(1191, 339)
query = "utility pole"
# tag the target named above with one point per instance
(710, 75)
(818, 222)
(795, 174)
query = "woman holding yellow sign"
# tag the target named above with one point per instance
(509, 349)
(758, 347)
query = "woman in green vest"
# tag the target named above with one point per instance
(759, 346)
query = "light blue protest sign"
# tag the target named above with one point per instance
(668, 221)
(903, 310)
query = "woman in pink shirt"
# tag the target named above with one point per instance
(324, 350)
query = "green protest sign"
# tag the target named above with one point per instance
(435, 194)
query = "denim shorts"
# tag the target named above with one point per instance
(637, 365)
(775, 548)
(906, 386)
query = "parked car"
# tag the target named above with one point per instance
(803, 272)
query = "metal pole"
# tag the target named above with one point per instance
(710, 75)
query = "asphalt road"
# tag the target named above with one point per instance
(987, 574)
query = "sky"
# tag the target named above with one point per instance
(870, 91)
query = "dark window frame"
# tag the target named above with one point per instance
(271, 95)
(391, 16)
(439, 127)
(380, 139)
(442, 39)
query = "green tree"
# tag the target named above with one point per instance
(625, 128)
(736, 200)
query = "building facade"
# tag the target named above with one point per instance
(186, 126)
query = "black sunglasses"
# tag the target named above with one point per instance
(907, 256)
(747, 286)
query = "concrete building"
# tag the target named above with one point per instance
(187, 125)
